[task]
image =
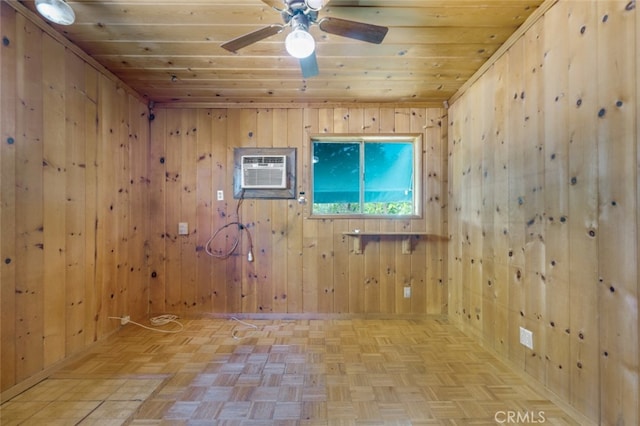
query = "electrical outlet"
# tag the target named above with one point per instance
(526, 338)
(124, 319)
(407, 292)
(183, 228)
(220, 195)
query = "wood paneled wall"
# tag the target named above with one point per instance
(74, 210)
(544, 206)
(300, 265)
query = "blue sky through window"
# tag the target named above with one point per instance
(364, 172)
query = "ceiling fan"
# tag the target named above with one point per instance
(300, 15)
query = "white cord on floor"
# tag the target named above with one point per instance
(243, 323)
(158, 321)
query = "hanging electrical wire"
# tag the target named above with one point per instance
(234, 245)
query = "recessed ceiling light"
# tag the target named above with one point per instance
(56, 11)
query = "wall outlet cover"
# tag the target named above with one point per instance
(526, 337)
(183, 228)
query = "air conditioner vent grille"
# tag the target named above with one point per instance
(264, 171)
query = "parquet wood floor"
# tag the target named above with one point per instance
(281, 372)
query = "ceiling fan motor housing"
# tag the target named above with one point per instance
(298, 14)
(294, 5)
(300, 21)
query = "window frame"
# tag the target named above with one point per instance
(418, 162)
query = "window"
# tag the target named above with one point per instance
(366, 175)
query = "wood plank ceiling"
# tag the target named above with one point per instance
(169, 50)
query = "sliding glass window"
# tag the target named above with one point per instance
(366, 176)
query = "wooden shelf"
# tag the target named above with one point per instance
(405, 235)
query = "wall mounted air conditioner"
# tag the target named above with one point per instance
(264, 172)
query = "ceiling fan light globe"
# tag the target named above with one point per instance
(56, 11)
(315, 4)
(300, 44)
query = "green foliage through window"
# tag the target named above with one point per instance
(364, 177)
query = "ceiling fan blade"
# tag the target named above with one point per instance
(250, 38)
(309, 66)
(356, 30)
